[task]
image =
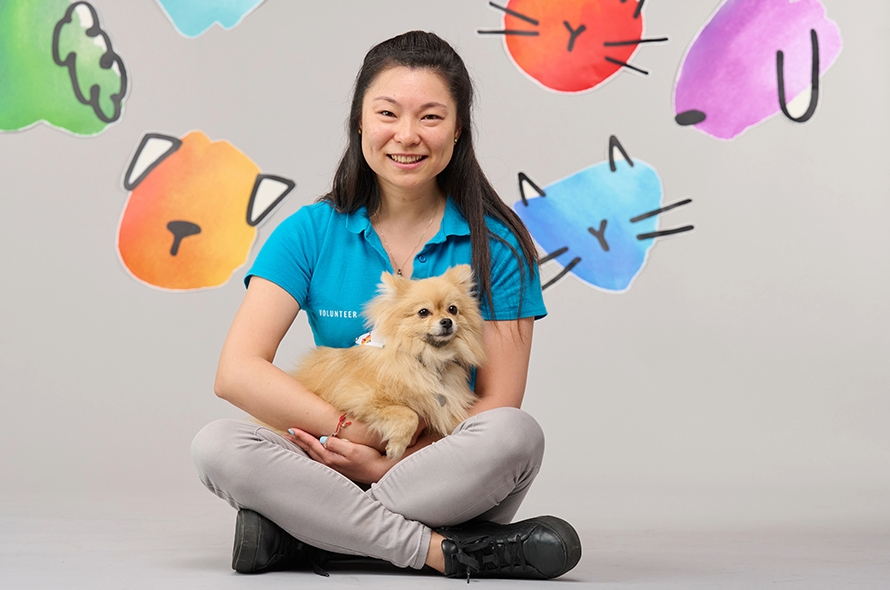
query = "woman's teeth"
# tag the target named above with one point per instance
(406, 159)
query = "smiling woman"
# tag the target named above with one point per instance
(408, 197)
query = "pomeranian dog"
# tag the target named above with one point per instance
(431, 335)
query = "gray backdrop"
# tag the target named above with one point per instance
(744, 376)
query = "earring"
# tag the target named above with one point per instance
(455, 140)
(359, 131)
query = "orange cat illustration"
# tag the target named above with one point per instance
(191, 218)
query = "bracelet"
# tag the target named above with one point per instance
(341, 423)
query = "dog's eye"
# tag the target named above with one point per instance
(423, 312)
(452, 310)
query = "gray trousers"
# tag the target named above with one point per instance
(483, 469)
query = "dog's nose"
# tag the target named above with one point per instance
(180, 230)
(446, 323)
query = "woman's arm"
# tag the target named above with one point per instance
(501, 381)
(247, 378)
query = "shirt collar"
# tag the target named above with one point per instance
(453, 223)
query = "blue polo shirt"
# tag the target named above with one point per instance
(331, 264)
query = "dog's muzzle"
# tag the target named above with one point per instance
(443, 334)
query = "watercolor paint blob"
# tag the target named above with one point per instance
(750, 61)
(58, 66)
(194, 17)
(601, 222)
(571, 45)
(190, 220)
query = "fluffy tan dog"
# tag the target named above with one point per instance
(431, 331)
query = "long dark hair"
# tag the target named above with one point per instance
(355, 184)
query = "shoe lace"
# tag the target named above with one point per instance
(318, 559)
(486, 553)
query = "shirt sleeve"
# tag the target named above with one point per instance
(289, 254)
(515, 288)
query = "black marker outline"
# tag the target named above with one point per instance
(814, 81)
(665, 232)
(256, 185)
(518, 15)
(600, 235)
(524, 177)
(108, 59)
(573, 33)
(660, 211)
(181, 230)
(566, 269)
(613, 143)
(635, 42)
(176, 143)
(509, 32)
(624, 64)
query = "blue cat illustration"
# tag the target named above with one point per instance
(598, 223)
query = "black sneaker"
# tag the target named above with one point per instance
(262, 546)
(538, 548)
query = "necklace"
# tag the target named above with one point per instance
(413, 250)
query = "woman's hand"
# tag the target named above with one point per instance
(357, 462)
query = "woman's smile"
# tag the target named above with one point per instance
(400, 159)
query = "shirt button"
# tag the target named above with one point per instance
(421, 258)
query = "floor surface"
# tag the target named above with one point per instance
(138, 544)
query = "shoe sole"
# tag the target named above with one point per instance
(247, 526)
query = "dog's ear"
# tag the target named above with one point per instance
(462, 275)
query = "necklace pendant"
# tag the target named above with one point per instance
(399, 272)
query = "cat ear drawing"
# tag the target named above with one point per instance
(268, 191)
(599, 223)
(153, 149)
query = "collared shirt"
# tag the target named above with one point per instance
(331, 264)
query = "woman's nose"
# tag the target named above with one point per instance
(406, 133)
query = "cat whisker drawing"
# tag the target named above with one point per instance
(518, 15)
(590, 223)
(664, 232)
(572, 45)
(566, 269)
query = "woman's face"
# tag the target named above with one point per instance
(409, 126)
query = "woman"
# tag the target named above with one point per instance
(408, 197)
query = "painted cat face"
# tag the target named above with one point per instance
(571, 45)
(600, 222)
(750, 60)
(192, 214)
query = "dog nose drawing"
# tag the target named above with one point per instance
(180, 230)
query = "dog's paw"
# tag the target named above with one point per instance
(395, 449)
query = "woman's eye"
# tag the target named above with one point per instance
(452, 310)
(387, 113)
(423, 313)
